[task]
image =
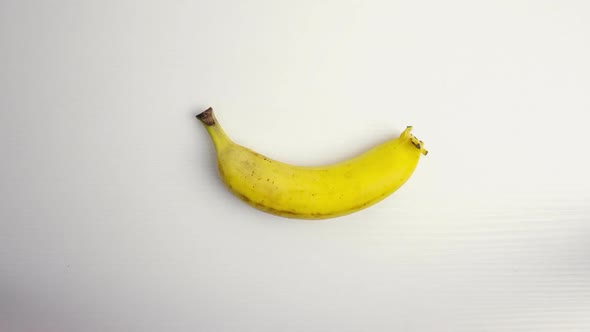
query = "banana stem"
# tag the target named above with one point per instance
(207, 117)
(217, 134)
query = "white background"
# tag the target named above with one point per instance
(112, 217)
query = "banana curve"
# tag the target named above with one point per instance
(313, 192)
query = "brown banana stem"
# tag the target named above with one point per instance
(207, 117)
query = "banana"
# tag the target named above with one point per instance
(319, 192)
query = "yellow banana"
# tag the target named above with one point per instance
(313, 192)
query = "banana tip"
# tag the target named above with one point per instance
(207, 117)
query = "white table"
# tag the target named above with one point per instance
(112, 217)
